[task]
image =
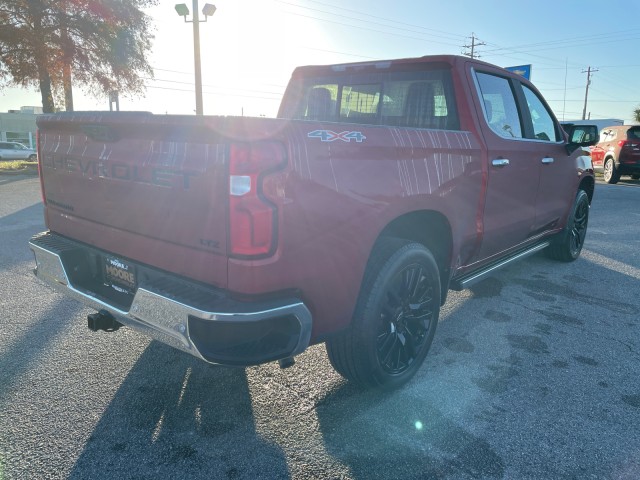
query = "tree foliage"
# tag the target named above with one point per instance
(103, 42)
(636, 114)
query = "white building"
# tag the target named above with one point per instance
(20, 126)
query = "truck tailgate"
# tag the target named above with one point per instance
(146, 187)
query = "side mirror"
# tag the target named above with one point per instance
(581, 136)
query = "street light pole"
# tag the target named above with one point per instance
(196, 57)
(207, 11)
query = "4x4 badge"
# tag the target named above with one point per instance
(329, 136)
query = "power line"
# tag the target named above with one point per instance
(569, 41)
(373, 29)
(280, 87)
(213, 93)
(424, 30)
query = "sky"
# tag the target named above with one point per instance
(250, 47)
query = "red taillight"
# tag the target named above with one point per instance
(622, 143)
(253, 211)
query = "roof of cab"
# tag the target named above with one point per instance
(452, 60)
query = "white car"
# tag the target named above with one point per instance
(16, 151)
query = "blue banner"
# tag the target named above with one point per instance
(524, 70)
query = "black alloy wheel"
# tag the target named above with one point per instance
(567, 246)
(406, 316)
(579, 227)
(395, 318)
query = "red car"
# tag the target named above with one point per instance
(617, 153)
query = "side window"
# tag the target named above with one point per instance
(604, 134)
(607, 136)
(544, 127)
(500, 105)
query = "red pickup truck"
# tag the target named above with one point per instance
(345, 220)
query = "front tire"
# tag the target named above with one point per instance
(610, 174)
(568, 245)
(395, 318)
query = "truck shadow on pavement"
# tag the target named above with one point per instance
(177, 417)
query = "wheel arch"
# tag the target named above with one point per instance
(431, 229)
(588, 185)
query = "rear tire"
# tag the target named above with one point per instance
(635, 177)
(395, 318)
(567, 247)
(610, 174)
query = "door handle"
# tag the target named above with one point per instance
(500, 162)
(547, 160)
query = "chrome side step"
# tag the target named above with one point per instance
(465, 281)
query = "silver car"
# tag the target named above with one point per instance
(16, 151)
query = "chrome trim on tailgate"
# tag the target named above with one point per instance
(155, 313)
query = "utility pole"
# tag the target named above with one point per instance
(588, 71)
(474, 43)
(183, 11)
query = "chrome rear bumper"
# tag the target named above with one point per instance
(188, 316)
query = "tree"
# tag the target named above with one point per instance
(636, 114)
(102, 43)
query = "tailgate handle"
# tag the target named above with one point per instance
(547, 160)
(500, 162)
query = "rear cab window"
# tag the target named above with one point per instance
(417, 99)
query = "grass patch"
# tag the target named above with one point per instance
(15, 166)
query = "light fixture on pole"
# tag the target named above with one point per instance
(208, 10)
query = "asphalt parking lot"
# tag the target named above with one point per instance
(533, 374)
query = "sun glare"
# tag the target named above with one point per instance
(248, 51)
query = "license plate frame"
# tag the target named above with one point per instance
(120, 275)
